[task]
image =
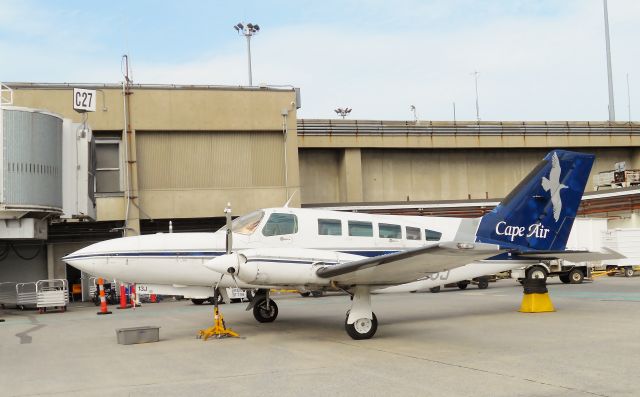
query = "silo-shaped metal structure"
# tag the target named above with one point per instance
(31, 160)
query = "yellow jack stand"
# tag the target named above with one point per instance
(536, 303)
(219, 330)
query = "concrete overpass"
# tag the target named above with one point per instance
(366, 161)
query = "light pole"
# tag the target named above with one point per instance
(343, 112)
(247, 31)
(475, 75)
(612, 110)
(415, 113)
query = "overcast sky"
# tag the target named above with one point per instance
(538, 60)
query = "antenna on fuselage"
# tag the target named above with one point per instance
(286, 205)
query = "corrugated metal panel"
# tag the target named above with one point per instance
(32, 159)
(201, 160)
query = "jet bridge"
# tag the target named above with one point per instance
(46, 174)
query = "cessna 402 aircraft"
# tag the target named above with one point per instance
(354, 252)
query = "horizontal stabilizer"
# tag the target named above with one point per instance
(573, 256)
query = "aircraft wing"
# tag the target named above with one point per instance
(573, 256)
(407, 266)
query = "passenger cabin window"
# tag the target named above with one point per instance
(432, 235)
(279, 224)
(329, 227)
(387, 230)
(413, 233)
(360, 229)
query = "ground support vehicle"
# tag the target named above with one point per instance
(568, 272)
(481, 282)
(626, 242)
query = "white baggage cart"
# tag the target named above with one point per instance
(26, 295)
(8, 296)
(52, 293)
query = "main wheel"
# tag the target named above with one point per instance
(564, 278)
(483, 284)
(317, 294)
(197, 301)
(537, 272)
(264, 314)
(576, 276)
(628, 272)
(305, 294)
(435, 289)
(362, 328)
(462, 284)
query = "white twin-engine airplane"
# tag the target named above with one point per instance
(358, 253)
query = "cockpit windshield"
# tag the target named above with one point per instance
(246, 224)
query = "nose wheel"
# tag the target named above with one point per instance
(265, 310)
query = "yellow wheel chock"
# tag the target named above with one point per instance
(219, 329)
(536, 303)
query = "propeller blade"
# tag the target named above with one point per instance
(229, 242)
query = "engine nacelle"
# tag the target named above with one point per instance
(280, 273)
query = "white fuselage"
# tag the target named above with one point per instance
(177, 259)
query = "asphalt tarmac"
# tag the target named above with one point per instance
(453, 343)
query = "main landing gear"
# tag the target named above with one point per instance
(361, 322)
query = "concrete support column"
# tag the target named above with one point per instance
(635, 159)
(51, 262)
(351, 175)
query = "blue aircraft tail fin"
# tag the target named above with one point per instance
(539, 213)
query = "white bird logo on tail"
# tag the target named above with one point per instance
(553, 186)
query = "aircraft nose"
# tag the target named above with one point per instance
(81, 262)
(223, 264)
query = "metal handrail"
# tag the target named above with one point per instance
(380, 127)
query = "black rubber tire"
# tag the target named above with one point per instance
(197, 301)
(305, 294)
(628, 272)
(462, 285)
(317, 294)
(260, 312)
(483, 284)
(564, 278)
(435, 290)
(576, 276)
(354, 334)
(535, 271)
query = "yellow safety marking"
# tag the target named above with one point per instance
(597, 274)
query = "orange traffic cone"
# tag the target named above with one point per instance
(123, 298)
(103, 301)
